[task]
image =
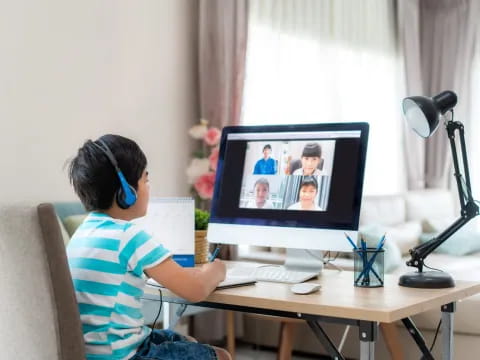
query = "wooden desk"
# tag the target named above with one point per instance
(340, 302)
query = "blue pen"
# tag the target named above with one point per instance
(366, 278)
(351, 242)
(215, 253)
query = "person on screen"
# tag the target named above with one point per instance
(266, 165)
(261, 190)
(311, 155)
(307, 195)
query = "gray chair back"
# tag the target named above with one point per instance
(39, 317)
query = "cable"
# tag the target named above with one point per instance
(344, 338)
(158, 314)
(312, 254)
(328, 261)
(436, 333)
(431, 268)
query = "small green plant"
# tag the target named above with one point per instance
(201, 219)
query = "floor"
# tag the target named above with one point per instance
(249, 352)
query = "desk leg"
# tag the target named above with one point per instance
(447, 330)
(325, 340)
(168, 315)
(367, 331)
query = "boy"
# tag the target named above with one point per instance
(261, 189)
(108, 255)
(266, 165)
(311, 155)
(307, 195)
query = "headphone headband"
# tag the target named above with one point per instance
(106, 150)
(126, 195)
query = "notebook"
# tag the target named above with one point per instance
(233, 281)
(172, 222)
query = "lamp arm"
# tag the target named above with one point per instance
(451, 127)
(468, 208)
(420, 252)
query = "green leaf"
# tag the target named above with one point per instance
(199, 154)
(201, 219)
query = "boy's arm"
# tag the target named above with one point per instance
(192, 284)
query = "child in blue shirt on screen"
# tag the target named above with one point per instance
(108, 255)
(266, 165)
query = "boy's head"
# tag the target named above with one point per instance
(311, 155)
(262, 188)
(308, 189)
(267, 150)
(95, 179)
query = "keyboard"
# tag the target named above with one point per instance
(273, 274)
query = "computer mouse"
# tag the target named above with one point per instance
(305, 288)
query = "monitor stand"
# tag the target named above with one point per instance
(304, 260)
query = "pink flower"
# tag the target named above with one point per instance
(204, 185)
(212, 137)
(213, 158)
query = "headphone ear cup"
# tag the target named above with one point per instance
(125, 200)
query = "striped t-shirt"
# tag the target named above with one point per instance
(107, 258)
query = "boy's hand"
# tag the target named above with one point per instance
(219, 267)
(193, 284)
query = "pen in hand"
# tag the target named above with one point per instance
(215, 253)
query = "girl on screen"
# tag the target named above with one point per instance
(307, 195)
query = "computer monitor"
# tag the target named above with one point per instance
(292, 186)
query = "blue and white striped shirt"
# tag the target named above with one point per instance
(107, 258)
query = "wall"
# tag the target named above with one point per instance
(76, 70)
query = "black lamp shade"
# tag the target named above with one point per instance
(423, 113)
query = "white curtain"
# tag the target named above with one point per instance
(311, 61)
(472, 123)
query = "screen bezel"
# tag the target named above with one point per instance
(324, 127)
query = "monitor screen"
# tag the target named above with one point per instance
(295, 186)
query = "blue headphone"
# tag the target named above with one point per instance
(126, 194)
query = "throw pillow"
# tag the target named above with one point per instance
(63, 231)
(406, 235)
(437, 224)
(465, 241)
(72, 222)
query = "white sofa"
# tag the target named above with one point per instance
(401, 215)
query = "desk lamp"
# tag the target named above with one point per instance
(423, 115)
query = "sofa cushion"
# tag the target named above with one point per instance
(63, 231)
(429, 204)
(405, 236)
(72, 222)
(437, 224)
(392, 254)
(383, 210)
(463, 242)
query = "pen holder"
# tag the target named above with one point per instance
(368, 267)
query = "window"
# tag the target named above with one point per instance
(329, 61)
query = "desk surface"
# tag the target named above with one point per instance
(339, 298)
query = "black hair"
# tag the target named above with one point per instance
(93, 176)
(312, 150)
(267, 147)
(262, 181)
(309, 180)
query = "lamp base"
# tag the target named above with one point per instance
(427, 280)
